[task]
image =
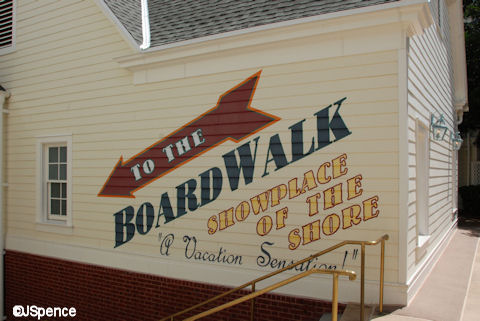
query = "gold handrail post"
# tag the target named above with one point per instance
(382, 274)
(335, 297)
(252, 304)
(330, 249)
(362, 284)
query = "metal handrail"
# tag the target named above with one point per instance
(330, 249)
(351, 275)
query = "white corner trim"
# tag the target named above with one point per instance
(403, 158)
(124, 32)
(145, 26)
(459, 63)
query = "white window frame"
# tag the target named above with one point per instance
(455, 184)
(422, 155)
(48, 181)
(7, 50)
(43, 216)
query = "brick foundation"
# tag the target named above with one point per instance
(101, 293)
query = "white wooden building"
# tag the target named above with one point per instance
(215, 142)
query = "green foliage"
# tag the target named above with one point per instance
(470, 200)
(472, 45)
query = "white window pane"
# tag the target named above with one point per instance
(53, 154)
(53, 171)
(63, 171)
(55, 207)
(63, 154)
(64, 190)
(55, 190)
(64, 207)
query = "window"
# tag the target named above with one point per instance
(54, 180)
(7, 26)
(422, 159)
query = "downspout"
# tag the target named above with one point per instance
(4, 94)
(145, 26)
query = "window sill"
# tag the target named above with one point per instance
(422, 242)
(54, 227)
(454, 214)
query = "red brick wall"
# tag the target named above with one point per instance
(101, 293)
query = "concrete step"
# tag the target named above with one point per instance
(352, 312)
(392, 317)
(328, 317)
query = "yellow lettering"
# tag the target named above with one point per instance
(313, 204)
(332, 196)
(294, 239)
(281, 216)
(308, 181)
(370, 208)
(226, 218)
(322, 174)
(351, 215)
(311, 232)
(293, 191)
(264, 225)
(331, 224)
(260, 201)
(242, 211)
(212, 225)
(277, 194)
(354, 185)
(338, 164)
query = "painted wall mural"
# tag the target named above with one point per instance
(332, 194)
(232, 118)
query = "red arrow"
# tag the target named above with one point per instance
(231, 119)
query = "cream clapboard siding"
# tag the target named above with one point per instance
(430, 92)
(64, 81)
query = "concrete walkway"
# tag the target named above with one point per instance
(471, 310)
(452, 290)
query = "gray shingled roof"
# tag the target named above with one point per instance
(178, 20)
(129, 13)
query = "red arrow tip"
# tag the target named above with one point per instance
(118, 183)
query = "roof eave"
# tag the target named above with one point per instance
(188, 58)
(277, 25)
